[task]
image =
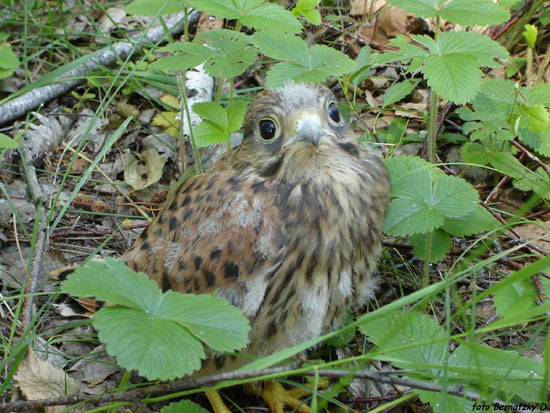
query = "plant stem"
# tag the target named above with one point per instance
(181, 86)
(432, 120)
(427, 254)
(529, 67)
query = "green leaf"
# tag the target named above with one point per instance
(530, 35)
(158, 334)
(439, 247)
(363, 66)
(456, 77)
(304, 64)
(7, 142)
(226, 54)
(233, 49)
(423, 197)
(464, 12)
(8, 60)
(252, 13)
(218, 122)
(424, 341)
(152, 8)
(399, 90)
(538, 117)
(478, 220)
(183, 406)
(307, 9)
(473, 152)
(519, 297)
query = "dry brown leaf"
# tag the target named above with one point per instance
(393, 21)
(208, 22)
(538, 233)
(142, 172)
(40, 379)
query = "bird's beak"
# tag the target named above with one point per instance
(309, 129)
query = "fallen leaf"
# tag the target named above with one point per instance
(40, 379)
(142, 172)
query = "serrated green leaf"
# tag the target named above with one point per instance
(158, 334)
(8, 59)
(440, 245)
(474, 12)
(157, 348)
(455, 77)
(506, 164)
(423, 196)
(530, 34)
(307, 9)
(7, 142)
(183, 406)
(212, 111)
(538, 94)
(483, 48)
(464, 12)
(418, 332)
(536, 181)
(305, 65)
(218, 122)
(479, 220)
(112, 281)
(538, 117)
(209, 133)
(235, 115)
(252, 13)
(399, 90)
(153, 8)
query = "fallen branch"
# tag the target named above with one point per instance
(384, 376)
(105, 57)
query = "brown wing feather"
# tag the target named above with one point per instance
(218, 233)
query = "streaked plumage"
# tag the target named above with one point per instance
(287, 228)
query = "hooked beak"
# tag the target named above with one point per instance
(309, 129)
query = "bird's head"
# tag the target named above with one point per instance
(294, 130)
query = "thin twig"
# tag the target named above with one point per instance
(36, 267)
(181, 385)
(531, 156)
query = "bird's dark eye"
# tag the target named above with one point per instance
(333, 112)
(268, 129)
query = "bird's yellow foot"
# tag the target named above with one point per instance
(277, 397)
(218, 406)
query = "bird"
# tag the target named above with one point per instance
(286, 226)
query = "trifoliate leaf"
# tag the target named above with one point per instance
(7, 142)
(226, 53)
(440, 245)
(234, 53)
(252, 13)
(478, 220)
(306, 9)
(398, 91)
(464, 12)
(218, 122)
(305, 64)
(145, 171)
(183, 406)
(158, 334)
(423, 197)
(530, 35)
(153, 8)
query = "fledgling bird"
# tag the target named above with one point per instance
(286, 226)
